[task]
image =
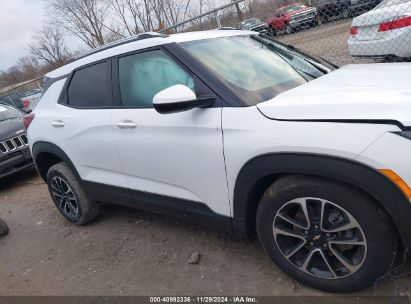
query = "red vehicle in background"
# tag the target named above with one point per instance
(291, 17)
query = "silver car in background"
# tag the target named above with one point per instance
(384, 31)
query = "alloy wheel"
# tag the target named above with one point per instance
(320, 238)
(64, 197)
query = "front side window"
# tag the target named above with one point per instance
(143, 75)
(90, 87)
(250, 67)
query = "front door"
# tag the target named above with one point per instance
(176, 155)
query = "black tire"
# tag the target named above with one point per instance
(272, 32)
(86, 210)
(314, 23)
(380, 236)
(288, 29)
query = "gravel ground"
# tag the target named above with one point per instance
(328, 40)
(129, 252)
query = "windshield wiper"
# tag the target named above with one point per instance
(293, 48)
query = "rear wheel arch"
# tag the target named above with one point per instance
(46, 155)
(260, 172)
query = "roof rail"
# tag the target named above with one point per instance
(117, 43)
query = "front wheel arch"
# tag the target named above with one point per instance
(260, 172)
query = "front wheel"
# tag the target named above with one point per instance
(325, 234)
(288, 29)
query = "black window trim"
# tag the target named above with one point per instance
(63, 98)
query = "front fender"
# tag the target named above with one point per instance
(258, 173)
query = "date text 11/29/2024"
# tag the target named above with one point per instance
(204, 299)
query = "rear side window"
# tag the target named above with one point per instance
(90, 87)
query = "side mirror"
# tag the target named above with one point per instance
(179, 98)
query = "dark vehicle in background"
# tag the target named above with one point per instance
(14, 150)
(291, 17)
(345, 9)
(25, 101)
(253, 24)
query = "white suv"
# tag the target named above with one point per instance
(243, 133)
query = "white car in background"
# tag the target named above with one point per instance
(382, 32)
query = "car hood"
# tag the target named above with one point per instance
(353, 92)
(9, 128)
(380, 15)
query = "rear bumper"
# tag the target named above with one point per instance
(15, 162)
(396, 42)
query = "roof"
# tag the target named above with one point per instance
(138, 44)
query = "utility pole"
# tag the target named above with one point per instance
(240, 15)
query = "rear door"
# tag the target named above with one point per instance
(81, 124)
(176, 155)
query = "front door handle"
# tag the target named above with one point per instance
(58, 124)
(126, 124)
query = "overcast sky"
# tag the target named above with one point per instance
(18, 21)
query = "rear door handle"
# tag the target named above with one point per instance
(58, 124)
(126, 124)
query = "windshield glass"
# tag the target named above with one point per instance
(253, 67)
(7, 113)
(387, 3)
(247, 24)
(291, 9)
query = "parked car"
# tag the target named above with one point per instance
(291, 17)
(253, 24)
(25, 101)
(14, 149)
(243, 133)
(384, 31)
(328, 9)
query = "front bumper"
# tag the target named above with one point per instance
(15, 161)
(395, 42)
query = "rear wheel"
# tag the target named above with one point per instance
(288, 29)
(272, 31)
(325, 234)
(69, 197)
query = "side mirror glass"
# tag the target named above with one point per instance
(179, 98)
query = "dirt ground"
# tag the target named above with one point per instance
(129, 252)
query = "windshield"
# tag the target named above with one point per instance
(253, 67)
(291, 9)
(7, 113)
(250, 23)
(387, 3)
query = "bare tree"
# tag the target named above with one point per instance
(136, 16)
(85, 19)
(48, 45)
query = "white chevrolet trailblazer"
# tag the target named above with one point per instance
(243, 133)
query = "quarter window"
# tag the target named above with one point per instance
(145, 74)
(90, 87)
